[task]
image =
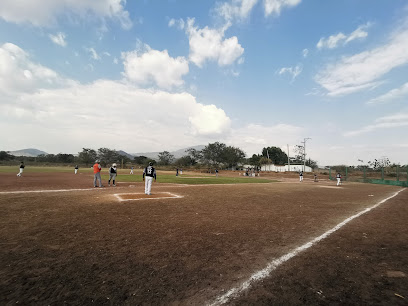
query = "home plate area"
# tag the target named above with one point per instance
(141, 196)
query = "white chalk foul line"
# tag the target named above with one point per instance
(257, 276)
(51, 190)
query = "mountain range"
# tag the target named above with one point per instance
(28, 152)
(153, 155)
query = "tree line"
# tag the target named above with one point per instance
(215, 155)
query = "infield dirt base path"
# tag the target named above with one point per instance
(86, 247)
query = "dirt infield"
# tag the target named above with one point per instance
(63, 241)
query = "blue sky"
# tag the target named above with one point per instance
(157, 75)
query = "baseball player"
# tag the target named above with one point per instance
(21, 169)
(216, 172)
(131, 170)
(97, 173)
(301, 176)
(149, 172)
(112, 174)
(76, 169)
(338, 176)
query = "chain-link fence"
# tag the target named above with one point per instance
(392, 175)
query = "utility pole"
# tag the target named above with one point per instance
(288, 159)
(304, 153)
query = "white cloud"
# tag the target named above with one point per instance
(19, 74)
(58, 39)
(393, 118)
(155, 66)
(341, 39)
(94, 54)
(293, 71)
(393, 94)
(209, 44)
(275, 6)
(252, 138)
(364, 70)
(305, 52)
(235, 9)
(122, 113)
(46, 12)
(209, 120)
(115, 61)
(156, 119)
(179, 23)
(387, 122)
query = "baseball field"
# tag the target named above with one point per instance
(200, 240)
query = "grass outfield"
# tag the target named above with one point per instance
(165, 178)
(36, 169)
(162, 176)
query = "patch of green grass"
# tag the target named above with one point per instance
(37, 169)
(193, 180)
(124, 176)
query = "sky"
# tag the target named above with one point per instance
(162, 75)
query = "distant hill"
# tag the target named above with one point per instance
(177, 154)
(153, 155)
(125, 154)
(28, 152)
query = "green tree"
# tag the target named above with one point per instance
(232, 156)
(213, 153)
(255, 160)
(265, 161)
(65, 158)
(185, 161)
(195, 155)
(275, 154)
(299, 154)
(6, 156)
(124, 158)
(311, 163)
(140, 160)
(87, 156)
(108, 156)
(379, 163)
(165, 158)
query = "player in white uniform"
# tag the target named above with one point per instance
(301, 176)
(76, 169)
(131, 170)
(148, 174)
(21, 169)
(112, 174)
(338, 176)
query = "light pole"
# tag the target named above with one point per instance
(304, 153)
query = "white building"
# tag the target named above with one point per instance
(285, 168)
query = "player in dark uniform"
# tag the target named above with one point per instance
(21, 169)
(149, 173)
